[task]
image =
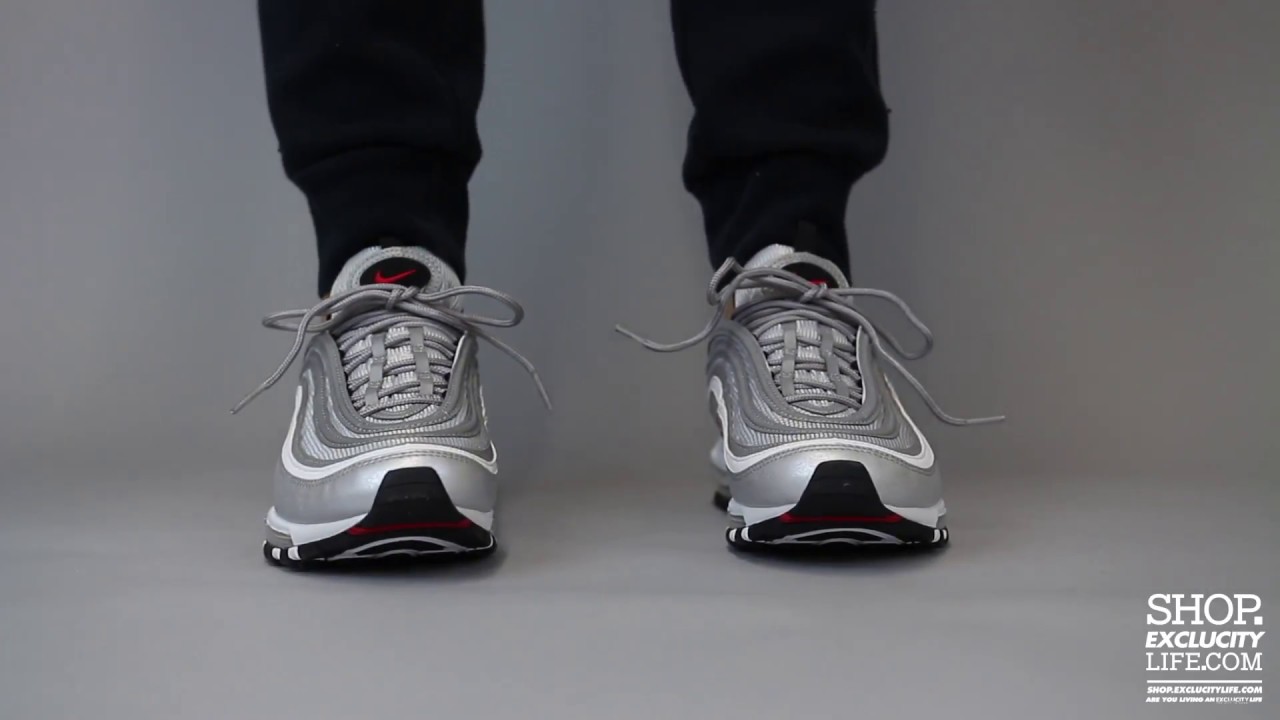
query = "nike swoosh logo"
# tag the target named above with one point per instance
(379, 278)
(741, 463)
(306, 472)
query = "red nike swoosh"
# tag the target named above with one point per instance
(379, 278)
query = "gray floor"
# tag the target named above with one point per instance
(608, 603)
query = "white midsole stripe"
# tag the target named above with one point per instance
(927, 516)
(753, 515)
(301, 533)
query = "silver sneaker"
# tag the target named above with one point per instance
(387, 452)
(815, 447)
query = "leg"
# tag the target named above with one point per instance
(374, 105)
(815, 449)
(787, 115)
(387, 455)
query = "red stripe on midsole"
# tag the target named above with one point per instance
(357, 530)
(890, 518)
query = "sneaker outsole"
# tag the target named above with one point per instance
(412, 519)
(840, 510)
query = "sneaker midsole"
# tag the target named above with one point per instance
(301, 533)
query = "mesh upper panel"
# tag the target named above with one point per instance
(753, 423)
(462, 429)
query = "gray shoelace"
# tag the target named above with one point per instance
(391, 316)
(834, 378)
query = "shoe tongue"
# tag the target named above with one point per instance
(808, 357)
(411, 267)
(396, 265)
(811, 267)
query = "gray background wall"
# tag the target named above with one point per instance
(1080, 198)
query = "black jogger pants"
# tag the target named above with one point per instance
(374, 104)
